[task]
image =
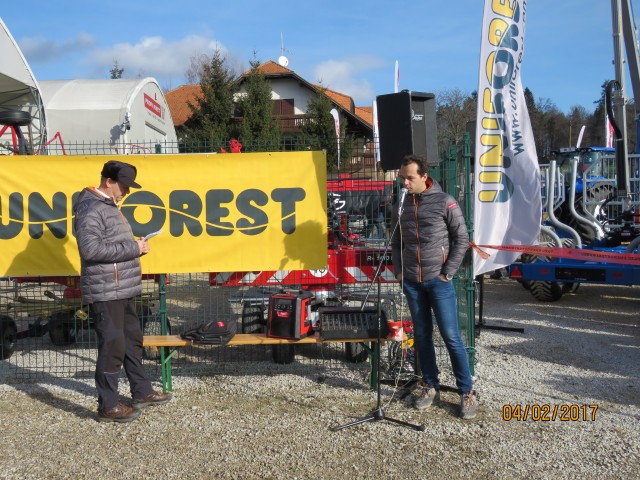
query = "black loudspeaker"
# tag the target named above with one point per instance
(407, 126)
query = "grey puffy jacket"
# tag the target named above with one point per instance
(434, 235)
(109, 254)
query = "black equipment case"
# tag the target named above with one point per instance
(290, 315)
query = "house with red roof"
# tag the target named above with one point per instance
(290, 94)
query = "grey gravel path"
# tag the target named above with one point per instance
(583, 351)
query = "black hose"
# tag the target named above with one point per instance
(609, 107)
(635, 243)
(622, 172)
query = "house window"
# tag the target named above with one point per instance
(283, 106)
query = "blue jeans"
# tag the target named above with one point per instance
(440, 296)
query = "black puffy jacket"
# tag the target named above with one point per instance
(109, 254)
(432, 237)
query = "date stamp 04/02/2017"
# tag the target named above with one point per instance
(546, 412)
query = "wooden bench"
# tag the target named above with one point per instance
(172, 342)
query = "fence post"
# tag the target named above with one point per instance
(165, 360)
(467, 158)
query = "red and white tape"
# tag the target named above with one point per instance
(571, 253)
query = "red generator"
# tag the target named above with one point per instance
(292, 315)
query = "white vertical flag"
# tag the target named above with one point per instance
(376, 135)
(507, 204)
(580, 135)
(396, 78)
(609, 135)
(336, 120)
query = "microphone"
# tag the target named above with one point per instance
(403, 194)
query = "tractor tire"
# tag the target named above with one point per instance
(596, 196)
(62, 328)
(283, 354)
(546, 291)
(586, 233)
(15, 118)
(8, 334)
(356, 352)
(569, 287)
(526, 258)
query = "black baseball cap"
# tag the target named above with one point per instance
(120, 172)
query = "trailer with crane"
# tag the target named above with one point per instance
(592, 196)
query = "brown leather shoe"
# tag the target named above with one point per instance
(120, 413)
(152, 399)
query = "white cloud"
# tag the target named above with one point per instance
(154, 56)
(343, 76)
(44, 50)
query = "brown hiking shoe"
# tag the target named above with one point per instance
(152, 399)
(426, 396)
(468, 405)
(120, 413)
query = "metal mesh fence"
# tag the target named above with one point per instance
(53, 331)
(357, 156)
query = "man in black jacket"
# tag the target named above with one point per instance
(427, 250)
(110, 280)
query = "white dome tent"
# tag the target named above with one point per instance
(19, 92)
(109, 116)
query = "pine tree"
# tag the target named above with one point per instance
(211, 120)
(116, 72)
(320, 128)
(259, 130)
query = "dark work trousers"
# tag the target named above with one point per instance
(119, 345)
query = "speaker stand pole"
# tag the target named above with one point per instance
(480, 325)
(378, 413)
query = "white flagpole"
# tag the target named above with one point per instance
(336, 120)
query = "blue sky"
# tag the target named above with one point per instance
(350, 46)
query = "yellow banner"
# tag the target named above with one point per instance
(217, 212)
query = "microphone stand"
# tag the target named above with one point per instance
(378, 412)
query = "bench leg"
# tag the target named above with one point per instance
(165, 362)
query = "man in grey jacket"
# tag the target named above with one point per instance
(110, 280)
(427, 250)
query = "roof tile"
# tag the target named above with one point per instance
(178, 100)
(366, 114)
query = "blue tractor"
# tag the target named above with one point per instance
(591, 201)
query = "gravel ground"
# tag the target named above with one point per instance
(581, 351)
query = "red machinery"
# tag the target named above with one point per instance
(354, 205)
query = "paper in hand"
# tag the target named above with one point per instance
(152, 234)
